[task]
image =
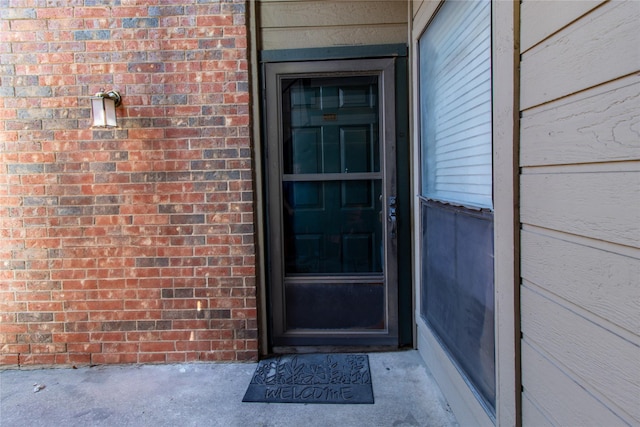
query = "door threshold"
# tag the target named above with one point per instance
(333, 349)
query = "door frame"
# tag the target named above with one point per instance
(398, 51)
(384, 68)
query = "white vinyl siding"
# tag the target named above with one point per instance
(455, 105)
(320, 24)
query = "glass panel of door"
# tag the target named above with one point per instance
(332, 195)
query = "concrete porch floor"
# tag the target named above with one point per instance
(198, 394)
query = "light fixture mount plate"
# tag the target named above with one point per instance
(114, 95)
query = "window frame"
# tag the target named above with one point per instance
(505, 59)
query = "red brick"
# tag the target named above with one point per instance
(55, 13)
(28, 25)
(112, 347)
(92, 12)
(178, 358)
(77, 255)
(9, 359)
(187, 346)
(214, 21)
(84, 348)
(129, 11)
(176, 335)
(71, 337)
(113, 358)
(153, 347)
(189, 325)
(152, 358)
(48, 348)
(79, 358)
(37, 359)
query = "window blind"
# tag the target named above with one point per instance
(455, 105)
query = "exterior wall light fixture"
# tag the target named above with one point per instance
(103, 108)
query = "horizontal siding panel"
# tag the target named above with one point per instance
(599, 125)
(331, 13)
(597, 205)
(543, 382)
(531, 415)
(300, 38)
(604, 283)
(416, 5)
(541, 18)
(605, 364)
(600, 47)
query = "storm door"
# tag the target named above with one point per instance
(331, 203)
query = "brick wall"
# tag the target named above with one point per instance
(133, 244)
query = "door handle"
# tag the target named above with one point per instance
(391, 217)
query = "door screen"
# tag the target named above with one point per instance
(329, 219)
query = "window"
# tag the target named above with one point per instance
(455, 104)
(457, 279)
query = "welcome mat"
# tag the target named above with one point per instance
(312, 378)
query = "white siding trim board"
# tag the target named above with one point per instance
(318, 24)
(310, 37)
(577, 407)
(597, 205)
(600, 47)
(532, 413)
(603, 363)
(306, 14)
(598, 125)
(541, 19)
(601, 282)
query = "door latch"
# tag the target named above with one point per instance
(391, 218)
